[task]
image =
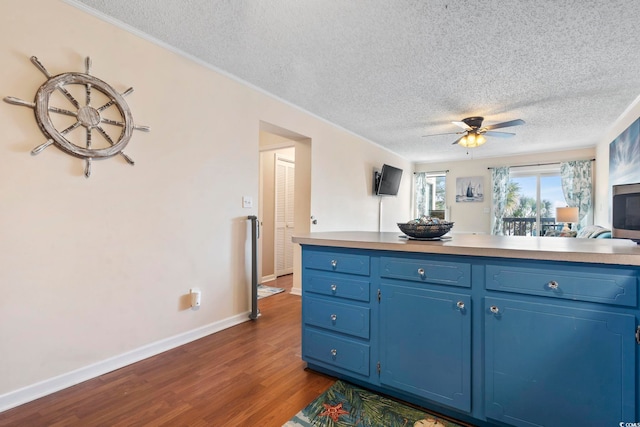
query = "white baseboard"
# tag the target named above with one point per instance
(296, 291)
(268, 278)
(51, 385)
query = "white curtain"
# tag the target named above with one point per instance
(420, 185)
(577, 187)
(500, 184)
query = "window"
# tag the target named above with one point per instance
(429, 197)
(534, 194)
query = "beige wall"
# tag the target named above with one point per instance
(94, 273)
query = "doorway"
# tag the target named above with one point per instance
(279, 143)
(272, 210)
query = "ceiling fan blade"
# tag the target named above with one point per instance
(448, 133)
(504, 124)
(499, 134)
(457, 140)
(463, 125)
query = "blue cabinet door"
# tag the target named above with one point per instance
(553, 365)
(425, 344)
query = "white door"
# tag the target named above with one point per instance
(285, 176)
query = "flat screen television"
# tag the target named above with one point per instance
(388, 181)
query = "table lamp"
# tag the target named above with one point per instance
(567, 215)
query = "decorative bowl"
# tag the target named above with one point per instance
(425, 231)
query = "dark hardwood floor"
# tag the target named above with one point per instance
(248, 375)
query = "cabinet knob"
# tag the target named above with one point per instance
(553, 285)
(334, 263)
(421, 272)
(334, 287)
(334, 352)
(494, 309)
(460, 305)
(334, 317)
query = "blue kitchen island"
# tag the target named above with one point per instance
(490, 330)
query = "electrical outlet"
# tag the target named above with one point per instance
(247, 202)
(196, 297)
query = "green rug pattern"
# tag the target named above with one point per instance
(347, 405)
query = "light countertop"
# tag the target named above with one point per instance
(600, 251)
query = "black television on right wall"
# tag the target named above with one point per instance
(387, 181)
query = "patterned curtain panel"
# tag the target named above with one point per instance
(500, 184)
(577, 187)
(420, 185)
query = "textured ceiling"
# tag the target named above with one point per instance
(394, 70)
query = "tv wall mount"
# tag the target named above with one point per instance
(114, 126)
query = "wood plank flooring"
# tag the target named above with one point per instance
(248, 375)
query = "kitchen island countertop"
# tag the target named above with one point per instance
(600, 251)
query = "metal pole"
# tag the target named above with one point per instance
(255, 232)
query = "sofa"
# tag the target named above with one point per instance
(587, 232)
(594, 232)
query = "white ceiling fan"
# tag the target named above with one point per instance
(474, 133)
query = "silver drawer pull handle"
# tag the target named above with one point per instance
(334, 352)
(553, 285)
(334, 317)
(334, 263)
(494, 309)
(460, 305)
(421, 272)
(334, 287)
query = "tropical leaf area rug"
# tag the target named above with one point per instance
(347, 405)
(267, 291)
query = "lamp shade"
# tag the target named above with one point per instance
(567, 214)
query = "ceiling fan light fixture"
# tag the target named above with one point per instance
(472, 140)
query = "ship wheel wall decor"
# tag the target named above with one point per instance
(83, 114)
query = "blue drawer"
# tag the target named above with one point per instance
(428, 271)
(336, 285)
(336, 352)
(595, 284)
(336, 261)
(337, 317)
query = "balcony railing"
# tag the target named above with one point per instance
(526, 226)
